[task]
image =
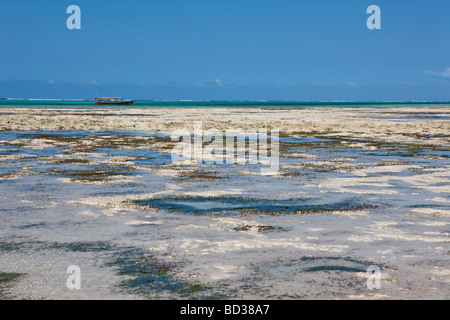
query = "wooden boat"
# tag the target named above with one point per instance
(112, 101)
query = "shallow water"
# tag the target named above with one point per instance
(222, 205)
(140, 227)
(72, 104)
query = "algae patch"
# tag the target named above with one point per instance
(147, 276)
(7, 281)
(249, 206)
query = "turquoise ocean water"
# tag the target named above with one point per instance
(208, 104)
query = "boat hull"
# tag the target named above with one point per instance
(115, 103)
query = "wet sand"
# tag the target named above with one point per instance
(97, 188)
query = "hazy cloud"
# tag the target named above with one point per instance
(443, 74)
(215, 83)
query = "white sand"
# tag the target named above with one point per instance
(406, 236)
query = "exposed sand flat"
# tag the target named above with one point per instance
(356, 187)
(365, 123)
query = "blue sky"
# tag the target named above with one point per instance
(226, 50)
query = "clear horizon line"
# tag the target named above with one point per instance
(246, 100)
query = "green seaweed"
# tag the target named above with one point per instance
(7, 282)
(147, 276)
(93, 173)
